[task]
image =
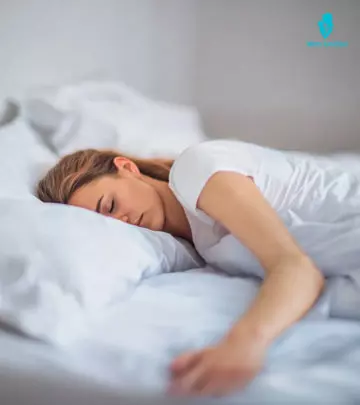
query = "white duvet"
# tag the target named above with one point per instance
(317, 361)
(129, 347)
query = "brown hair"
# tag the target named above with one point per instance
(80, 168)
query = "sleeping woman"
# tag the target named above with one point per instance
(287, 218)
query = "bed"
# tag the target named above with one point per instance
(64, 340)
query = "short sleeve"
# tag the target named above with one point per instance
(194, 167)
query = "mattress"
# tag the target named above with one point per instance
(124, 357)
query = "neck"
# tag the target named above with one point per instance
(176, 222)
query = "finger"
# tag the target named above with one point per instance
(220, 385)
(209, 388)
(194, 379)
(214, 386)
(185, 362)
(200, 380)
(217, 389)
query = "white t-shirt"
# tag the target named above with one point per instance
(316, 198)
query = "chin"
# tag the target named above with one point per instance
(157, 224)
(154, 220)
(156, 227)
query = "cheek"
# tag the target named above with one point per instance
(125, 203)
(132, 197)
(146, 198)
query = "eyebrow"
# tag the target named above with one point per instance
(99, 204)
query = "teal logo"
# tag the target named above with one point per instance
(326, 27)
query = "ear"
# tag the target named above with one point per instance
(123, 163)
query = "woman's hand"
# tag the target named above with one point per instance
(218, 370)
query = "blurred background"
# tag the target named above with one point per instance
(245, 65)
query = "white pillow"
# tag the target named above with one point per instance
(111, 115)
(23, 159)
(59, 262)
(9, 111)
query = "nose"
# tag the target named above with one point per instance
(124, 218)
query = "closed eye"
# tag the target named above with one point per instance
(111, 210)
(98, 205)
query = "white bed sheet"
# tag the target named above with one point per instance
(130, 346)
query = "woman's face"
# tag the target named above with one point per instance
(125, 196)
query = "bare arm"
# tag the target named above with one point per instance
(291, 286)
(292, 282)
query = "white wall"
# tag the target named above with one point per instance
(50, 42)
(243, 63)
(142, 42)
(173, 49)
(257, 80)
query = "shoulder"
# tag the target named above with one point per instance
(213, 148)
(207, 152)
(194, 167)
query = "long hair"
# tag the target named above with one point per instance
(82, 167)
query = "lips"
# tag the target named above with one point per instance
(138, 221)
